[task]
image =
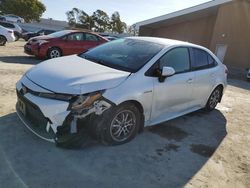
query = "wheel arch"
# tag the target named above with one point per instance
(139, 106)
(221, 86)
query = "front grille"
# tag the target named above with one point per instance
(35, 118)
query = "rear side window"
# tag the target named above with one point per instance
(8, 25)
(201, 59)
(177, 58)
(90, 37)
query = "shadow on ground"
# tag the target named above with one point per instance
(20, 59)
(166, 155)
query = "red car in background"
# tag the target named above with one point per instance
(61, 43)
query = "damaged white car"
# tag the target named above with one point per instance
(115, 89)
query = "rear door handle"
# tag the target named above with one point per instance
(190, 80)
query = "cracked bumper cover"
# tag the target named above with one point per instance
(51, 119)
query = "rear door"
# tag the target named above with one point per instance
(204, 67)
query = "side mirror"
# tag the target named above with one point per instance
(166, 72)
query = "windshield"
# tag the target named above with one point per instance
(59, 33)
(124, 54)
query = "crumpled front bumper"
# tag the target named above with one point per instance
(50, 119)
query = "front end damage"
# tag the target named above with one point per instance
(79, 121)
(57, 120)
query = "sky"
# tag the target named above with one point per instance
(131, 11)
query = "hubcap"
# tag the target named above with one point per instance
(215, 98)
(123, 125)
(54, 54)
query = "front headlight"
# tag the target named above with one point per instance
(41, 42)
(83, 102)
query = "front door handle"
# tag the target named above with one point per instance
(190, 80)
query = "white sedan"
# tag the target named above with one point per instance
(116, 89)
(6, 35)
(12, 18)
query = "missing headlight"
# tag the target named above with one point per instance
(63, 97)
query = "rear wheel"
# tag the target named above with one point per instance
(119, 125)
(214, 99)
(3, 40)
(54, 52)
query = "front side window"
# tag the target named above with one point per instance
(90, 37)
(76, 37)
(177, 58)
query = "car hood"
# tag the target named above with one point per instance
(42, 37)
(75, 75)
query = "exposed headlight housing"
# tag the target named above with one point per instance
(84, 102)
(41, 42)
(63, 97)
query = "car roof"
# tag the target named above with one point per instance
(166, 42)
(83, 30)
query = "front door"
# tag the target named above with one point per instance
(175, 95)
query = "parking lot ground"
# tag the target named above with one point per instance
(197, 150)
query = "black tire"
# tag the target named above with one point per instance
(3, 40)
(54, 52)
(214, 99)
(104, 125)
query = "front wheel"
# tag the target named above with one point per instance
(214, 99)
(54, 53)
(3, 40)
(120, 124)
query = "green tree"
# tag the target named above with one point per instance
(101, 21)
(117, 25)
(79, 18)
(28, 9)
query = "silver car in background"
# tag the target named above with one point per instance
(116, 89)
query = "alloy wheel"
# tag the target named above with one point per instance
(123, 125)
(215, 98)
(54, 54)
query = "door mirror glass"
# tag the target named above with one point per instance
(167, 71)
